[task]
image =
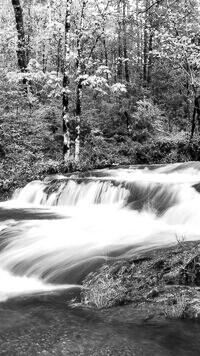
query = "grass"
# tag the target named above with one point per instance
(181, 239)
(176, 309)
(103, 290)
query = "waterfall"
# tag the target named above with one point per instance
(55, 231)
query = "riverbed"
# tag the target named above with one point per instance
(51, 325)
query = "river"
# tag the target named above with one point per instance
(52, 233)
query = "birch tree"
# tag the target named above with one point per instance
(80, 72)
(66, 81)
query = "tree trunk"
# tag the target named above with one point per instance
(106, 56)
(80, 71)
(150, 57)
(119, 65)
(58, 54)
(78, 120)
(21, 50)
(138, 29)
(29, 32)
(126, 65)
(44, 67)
(145, 53)
(65, 114)
(196, 115)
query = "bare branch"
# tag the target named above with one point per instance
(157, 2)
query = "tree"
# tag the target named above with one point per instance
(102, 58)
(125, 49)
(66, 81)
(21, 48)
(80, 71)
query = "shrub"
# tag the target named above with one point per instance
(170, 149)
(147, 120)
(102, 289)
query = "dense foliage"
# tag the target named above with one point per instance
(133, 71)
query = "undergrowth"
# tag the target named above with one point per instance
(103, 290)
(31, 146)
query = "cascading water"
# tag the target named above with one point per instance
(53, 232)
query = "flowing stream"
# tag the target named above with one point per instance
(53, 232)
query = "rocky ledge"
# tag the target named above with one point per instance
(164, 282)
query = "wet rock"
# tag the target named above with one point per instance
(193, 308)
(158, 265)
(153, 294)
(171, 277)
(164, 282)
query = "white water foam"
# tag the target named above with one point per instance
(15, 286)
(59, 251)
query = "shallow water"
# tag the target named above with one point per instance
(47, 325)
(54, 232)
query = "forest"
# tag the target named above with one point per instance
(99, 177)
(88, 84)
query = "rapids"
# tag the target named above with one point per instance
(55, 231)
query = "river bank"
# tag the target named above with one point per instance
(163, 283)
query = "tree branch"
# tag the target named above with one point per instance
(157, 2)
